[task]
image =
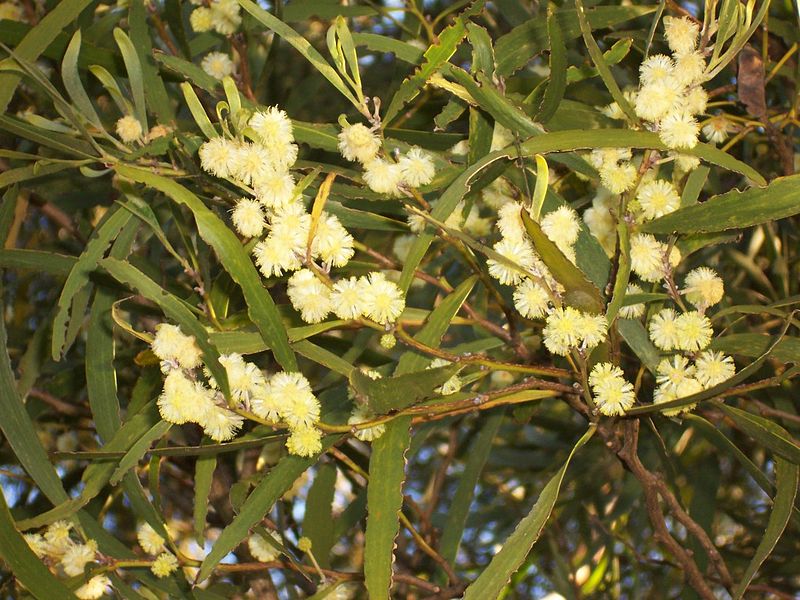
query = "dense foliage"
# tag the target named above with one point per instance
(417, 299)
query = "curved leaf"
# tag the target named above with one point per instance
(786, 481)
(494, 577)
(734, 209)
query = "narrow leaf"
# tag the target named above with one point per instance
(504, 564)
(786, 481)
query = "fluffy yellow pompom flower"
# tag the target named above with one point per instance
(658, 99)
(77, 557)
(563, 330)
(358, 143)
(368, 434)
(655, 68)
(36, 543)
(248, 218)
(417, 168)
(632, 311)
(518, 252)
(272, 126)
(618, 178)
(664, 330)
(304, 441)
(712, 368)
(164, 565)
(184, 400)
(383, 176)
(687, 387)
(56, 536)
(201, 19)
(218, 156)
(332, 242)
(612, 394)
(150, 541)
(658, 198)
(172, 346)
(220, 424)
(299, 406)
(703, 287)
(694, 331)
(647, 257)
(531, 299)
(94, 588)
(679, 129)
(594, 330)
(562, 226)
(716, 130)
(225, 17)
(347, 298)
(309, 296)
(273, 257)
(509, 222)
(681, 34)
(129, 129)
(671, 372)
(383, 300)
(690, 69)
(11, 11)
(261, 549)
(217, 64)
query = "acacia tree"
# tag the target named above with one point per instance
(399, 300)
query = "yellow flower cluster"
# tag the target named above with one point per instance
(68, 557)
(221, 16)
(383, 175)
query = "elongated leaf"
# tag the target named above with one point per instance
(516, 48)
(20, 433)
(203, 479)
(557, 84)
(600, 64)
(73, 83)
(458, 508)
(135, 77)
(138, 449)
(57, 141)
(78, 277)
(786, 480)
(398, 392)
(384, 502)
(579, 291)
(516, 548)
(198, 112)
(174, 309)
(101, 377)
(37, 40)
(112, 87)
(26, 566)
(188, 70)
(635, 335)
(387, 461)
(258, 503)
(764, 431)
(435, 56)
(735, 209)
(260, 305)
(317, 519)
(787, 349)
(301, 45)
(155, 92)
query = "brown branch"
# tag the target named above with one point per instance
(650, 486)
